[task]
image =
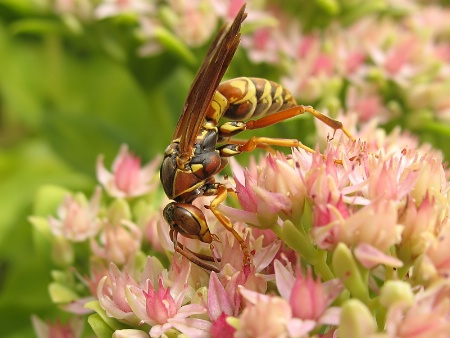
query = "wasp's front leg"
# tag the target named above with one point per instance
(194, 257)
(236, 147)
(221, 196)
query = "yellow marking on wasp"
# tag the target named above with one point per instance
(277, 99)
(279, 93)
(246, 87)
(219, 104)
(208, 126)
(288, 96)
(169, 150)
(204, 230)
(265, 101)
(228, 128)
(267, 90)
(228, 152)
(217, 110)
(196, 167)
(202, 134)
(266, 98)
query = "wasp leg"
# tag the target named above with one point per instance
(262, 146)
(221, 196)
(199, 255)
(194, 257)
(229, 129)
(235, 148)
(294, 111)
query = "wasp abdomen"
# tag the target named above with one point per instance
(246, 97)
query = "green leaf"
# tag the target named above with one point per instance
(61, 294)
(103, 320)
(298, 240)
(99, 327)
(346, 268)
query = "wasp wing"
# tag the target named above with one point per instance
(205, 84)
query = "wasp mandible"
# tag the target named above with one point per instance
(193, 158)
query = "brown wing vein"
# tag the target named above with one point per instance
(205, 84)
(184, 117)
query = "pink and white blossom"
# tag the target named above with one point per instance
(128, 178)
(111, 293)
(78, 218)
(72, 328)
(163, 310)
(117, 243)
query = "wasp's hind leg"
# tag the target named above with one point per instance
(294, 111)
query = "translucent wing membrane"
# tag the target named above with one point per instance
(206, 82)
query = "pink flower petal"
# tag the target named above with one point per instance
(192, 327)
(252, 296)
(285, 280)
(331, 316)
(265, 256)
(218, 301)
(299, 328)
(370, 257)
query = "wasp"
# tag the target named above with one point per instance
(193, 158)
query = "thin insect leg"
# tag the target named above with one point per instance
(231, 149)
(294, 111)
(192, 256)
(221, 197)
(254, 142)
(194, 259)
(263, 146)
(196, 254)
(235, 147)
(173, 236)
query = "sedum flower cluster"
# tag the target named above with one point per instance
(348, 241)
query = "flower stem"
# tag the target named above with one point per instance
(297, 239)
(321, 266)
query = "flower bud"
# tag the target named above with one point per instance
(356, 320)
(395, 291)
